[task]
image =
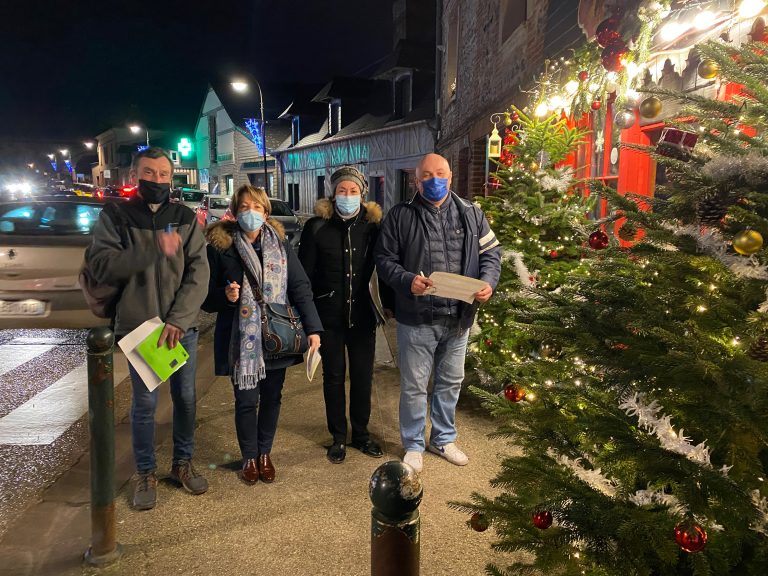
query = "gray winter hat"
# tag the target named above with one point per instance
(353, 175)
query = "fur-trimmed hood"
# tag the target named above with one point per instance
(324, 209)
(220, 234)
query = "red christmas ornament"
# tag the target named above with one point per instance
(515, 116)
(488, 342)
(620, 346)
(598, 240)
(596, 105)
(478, 522)
(690, 536)
(542, 519)
(513, 393)
(607, 32)
(583, 75)
(553, 254)
(612, 56)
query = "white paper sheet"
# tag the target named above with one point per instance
(312, 361)
(456, 286)
(128, 346)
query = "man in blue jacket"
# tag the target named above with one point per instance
(435, 231)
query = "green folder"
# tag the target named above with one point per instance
(163, 360)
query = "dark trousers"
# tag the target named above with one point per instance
(256, 414)
(360, 343)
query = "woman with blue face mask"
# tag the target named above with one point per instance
(253, 249)
(337, 253)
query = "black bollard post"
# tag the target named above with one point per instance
(395, 490)
(104, 548)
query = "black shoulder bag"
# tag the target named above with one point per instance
(282, 332)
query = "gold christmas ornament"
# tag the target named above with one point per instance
(748, 242)
(708, 69)
(650, 107)
(507, 119)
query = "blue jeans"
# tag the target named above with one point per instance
(144, 404)
(442, 346)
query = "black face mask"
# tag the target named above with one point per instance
(154, 192)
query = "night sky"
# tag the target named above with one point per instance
(72, 69)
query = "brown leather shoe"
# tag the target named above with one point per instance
(250, 473)
(266, 470)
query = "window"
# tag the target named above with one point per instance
(293, 195)
(212, 153)
(452, 55)
(50, 219)
(407, 185)
(280, 208)
(376, 185)
(320, 187)
(513, 14)
(403, 96)
(230, 180)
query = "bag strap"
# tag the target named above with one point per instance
(255, 286)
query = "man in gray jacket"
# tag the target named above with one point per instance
(435, 231)
(154, 251)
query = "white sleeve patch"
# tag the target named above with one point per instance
(491, 245)
(487, 238)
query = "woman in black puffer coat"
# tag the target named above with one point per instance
(337, 253)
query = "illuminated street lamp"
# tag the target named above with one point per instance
(135, 129)
(88, 145)
(241, 87)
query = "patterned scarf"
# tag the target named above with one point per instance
(246, 352)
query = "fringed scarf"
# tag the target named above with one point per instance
(246, 352)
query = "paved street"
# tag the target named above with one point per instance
(43, 408)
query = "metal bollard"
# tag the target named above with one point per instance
(104, 548)
(395, 490)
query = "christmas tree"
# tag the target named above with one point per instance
(533, 204)
(642, 430)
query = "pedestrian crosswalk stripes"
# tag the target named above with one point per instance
(12, 355)
(47, 415)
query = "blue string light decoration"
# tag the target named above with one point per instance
(257, 133)
(141, 147)
(68, 164)
(54, 165)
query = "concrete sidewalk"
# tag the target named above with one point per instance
(314, 519)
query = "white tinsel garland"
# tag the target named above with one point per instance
(592, 477)
(761, 503)
(560, 181)
(648, 418)
(646, 497)
(526, 278)
(710, 241)
(752, 169)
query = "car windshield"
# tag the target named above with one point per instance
(48, 219)
(218, 203)
(192, 195)
(280, 208)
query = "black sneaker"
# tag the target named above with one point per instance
(337, 453)
(145, 492)
(185, 474)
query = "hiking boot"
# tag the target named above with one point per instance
(145, 492)
(450, 452)
(414, 460)
(185, 474)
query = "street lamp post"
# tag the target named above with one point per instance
(135, 128)
(240, 86)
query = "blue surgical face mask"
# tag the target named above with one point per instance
(347, 205)
(250, 220)
(434, 189)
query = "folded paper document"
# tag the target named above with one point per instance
(312, 360)
(456, 286)
(153, 366)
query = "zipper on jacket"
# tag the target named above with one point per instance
(157, 268)
(349, 244)
(327, 295)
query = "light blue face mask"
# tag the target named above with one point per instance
(347, 205)
(250, 220)
(434, 189)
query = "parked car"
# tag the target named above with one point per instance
(84, 189)
(190, 197)
(42, 241)
(212, 209)
(282, 212)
